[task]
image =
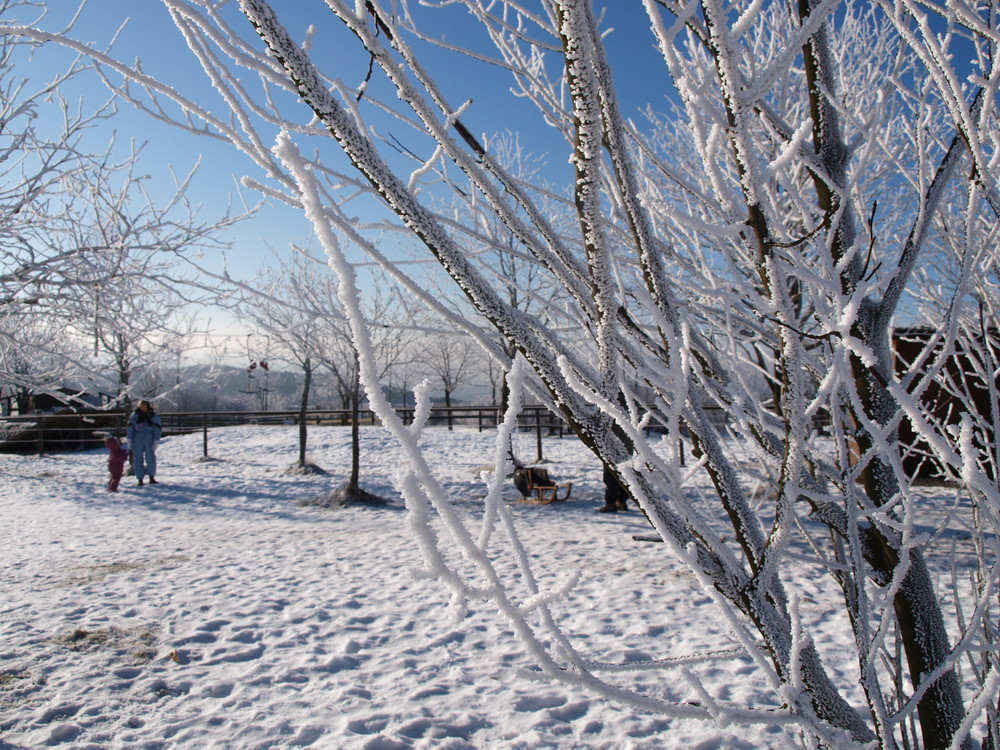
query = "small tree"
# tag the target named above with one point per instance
(340, 357)
(136, 288)
(453, 360)
(279, 306)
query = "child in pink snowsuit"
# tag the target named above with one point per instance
(117, 453)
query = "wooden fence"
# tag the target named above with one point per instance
(84, 430)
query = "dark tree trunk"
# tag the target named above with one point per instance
(918, 611)
(354, 483)
(916, 605)
(23, 399)
(303, 406)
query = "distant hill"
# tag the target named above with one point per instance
(227, 390)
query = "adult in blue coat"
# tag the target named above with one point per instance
(143, 438)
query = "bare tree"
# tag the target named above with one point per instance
(280, 306)
(517, 276)
(299, 309)
(751, 251)
(84, 248)
(339, 356)
(36, 357)
(136, 287)
(453, 360)
(34, 161)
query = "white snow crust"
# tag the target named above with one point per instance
(215, 610)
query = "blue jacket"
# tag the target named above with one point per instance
(143, 429)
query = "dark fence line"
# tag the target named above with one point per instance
(74, 430)
(84, 430)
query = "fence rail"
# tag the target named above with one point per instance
(84, 430)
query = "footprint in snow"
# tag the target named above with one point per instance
(538, 702)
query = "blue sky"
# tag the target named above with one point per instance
(151, 36)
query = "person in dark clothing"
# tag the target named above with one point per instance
(143, 435)
(615, 496)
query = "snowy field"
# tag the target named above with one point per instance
(217, 611)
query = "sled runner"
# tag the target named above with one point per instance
(535, 486)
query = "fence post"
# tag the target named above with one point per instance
(41, 431)
(204, 435)
(538, 435)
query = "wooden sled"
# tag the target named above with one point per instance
(536, 487)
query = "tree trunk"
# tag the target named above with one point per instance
(22, 396)
(354, 483)
(303, 406)
(918, 611)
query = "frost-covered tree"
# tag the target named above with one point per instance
(818, 154)
(340, 359)
(133, 306)
(40, 147)
(299, 309)
(519, 279)
(452, 361)
(85, 250)
(278, 304)
(36, 357)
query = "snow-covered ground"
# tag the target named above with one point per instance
(217, 611)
